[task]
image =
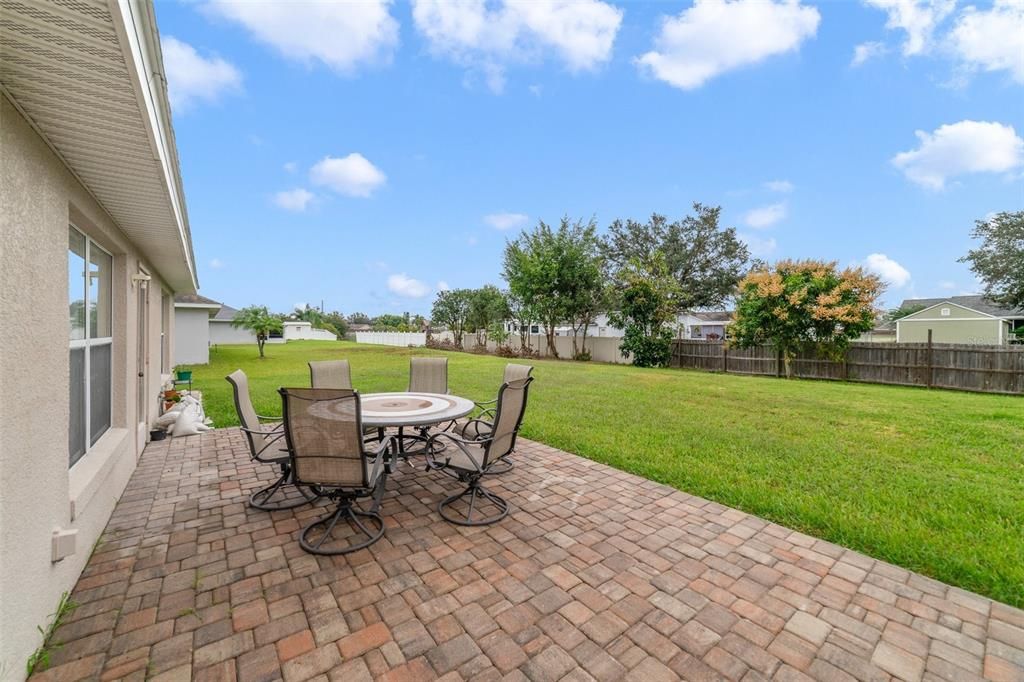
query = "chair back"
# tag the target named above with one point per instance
(508, 415)
(514, 371)
(428, 375)
(246, 413)
(323, 430)
(330, 374)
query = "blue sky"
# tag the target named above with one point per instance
(367, 155)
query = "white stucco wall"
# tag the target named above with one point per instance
(221, 332)
(191, 336)
(38, 493)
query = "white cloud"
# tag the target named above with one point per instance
(294, 199)
(918, 18)
(216, 263)
(760, 247)
(505, 221)
(291, 166)
(404, 285)
(580, 33)
(443, 286)
(782, 186)
(889, 270)
(192, 77)
(765, 216)
(866, 52)
(960, 148)
(352, 175)
(716, 36)
(992, 40)
(947, 285)
(342, 35)
(536, 90)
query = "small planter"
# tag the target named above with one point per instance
(184, 375)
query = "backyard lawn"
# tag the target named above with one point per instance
(930, 480)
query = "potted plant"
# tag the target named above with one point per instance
(171, 396)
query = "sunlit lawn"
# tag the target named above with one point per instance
(930, 480)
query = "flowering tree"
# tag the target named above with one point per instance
(795, 305)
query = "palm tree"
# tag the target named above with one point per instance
(259, 321)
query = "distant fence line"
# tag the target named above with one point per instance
(392, 338)
(985, 369)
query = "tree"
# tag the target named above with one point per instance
(706, 260)
(798, 305)
(451, 309)
(899, 313)
(522, 315)
(390, 323)
(555, 273)
(999, 261)
(487, 306)
(338, 321)
(648, 297)
(260, 322)
(359, 318)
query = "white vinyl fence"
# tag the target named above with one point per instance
(392, 338)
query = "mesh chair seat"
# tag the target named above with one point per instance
(324, 432)
(470, 459)
(264, 437)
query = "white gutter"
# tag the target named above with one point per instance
(135, 24)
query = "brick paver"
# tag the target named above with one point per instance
(596, 574)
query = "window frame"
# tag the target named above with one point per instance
(88, 343)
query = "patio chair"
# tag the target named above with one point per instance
(480, 425)
(323, 430)
(473, 458)
(265, 447)
(428, 375)
(330, 374)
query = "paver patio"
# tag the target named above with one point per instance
(596, 574)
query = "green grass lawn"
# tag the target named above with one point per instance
(930, 480)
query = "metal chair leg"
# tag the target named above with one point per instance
(350, 516)
(476, 494)
(261, 498)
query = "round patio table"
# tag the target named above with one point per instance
(415, 410)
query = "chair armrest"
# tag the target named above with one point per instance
(459, 442)
(379, 456)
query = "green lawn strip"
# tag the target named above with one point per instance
(929, 480)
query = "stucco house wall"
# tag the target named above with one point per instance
(221, 332)
(952, 323)
(191, 336)
(39, 494)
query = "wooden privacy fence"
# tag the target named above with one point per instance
(986, 369)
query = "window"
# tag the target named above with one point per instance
(89, 307)
(944, 312)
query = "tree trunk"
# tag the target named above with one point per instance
(787, 358)
(549, 332)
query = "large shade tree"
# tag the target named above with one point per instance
(487, 308)
(999, 260)
(647, 303)
(799, 305)
(706, 259)
(556, 272)
(451, 309)
(260, 322)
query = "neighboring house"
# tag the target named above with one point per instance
(192, 314)
(958, 319)
(711, 325)
(220, 330)
(95, 240)
(884, 332)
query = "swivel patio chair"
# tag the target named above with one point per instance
(263, 434)
(481, 424)
(428, 375)
(330, 374)
(473, 458)
(323, 429)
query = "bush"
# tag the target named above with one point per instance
(582, 356)
(506, 352)
(647, 351)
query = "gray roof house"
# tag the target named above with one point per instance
(959, 320)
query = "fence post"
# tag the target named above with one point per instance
(846, 365)
(725, 358)
(931, 369)
(778, 364)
